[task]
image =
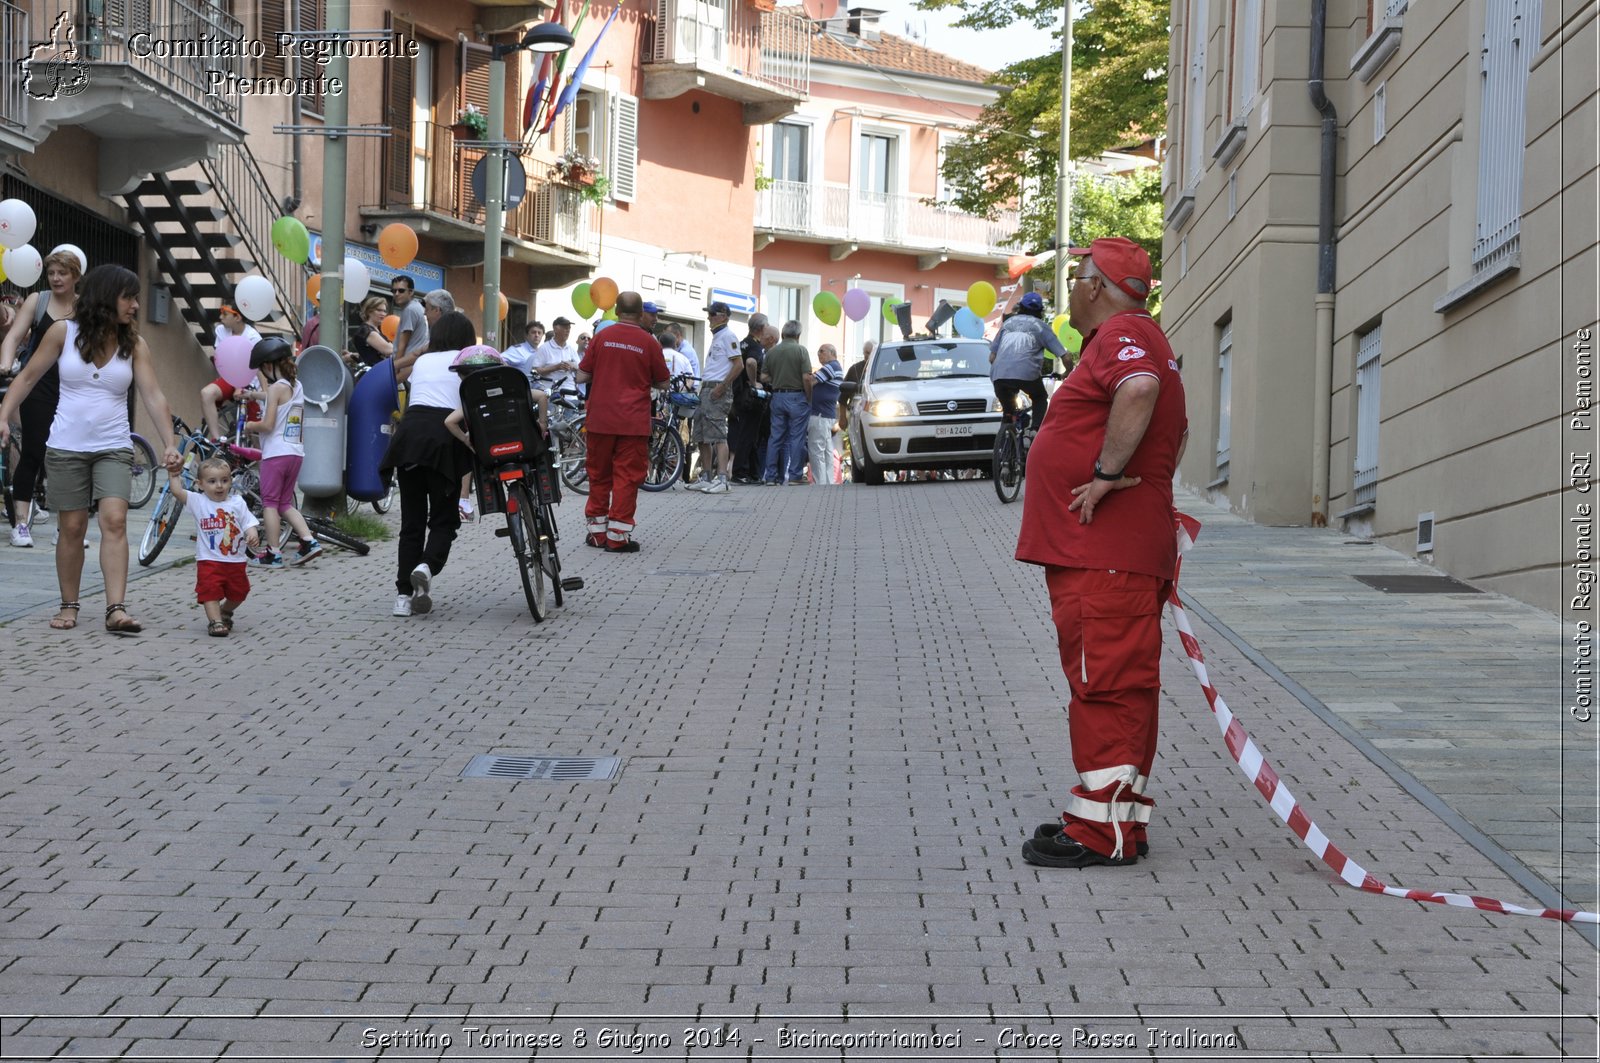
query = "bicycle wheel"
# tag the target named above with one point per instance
(549, 560)
(144, 473)
(383, 504)
(159, 530)
(1007, 463)
(523, 522)
(575, 457)
(666, 458)
(328, 532)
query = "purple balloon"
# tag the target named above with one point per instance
(233, 360)
(856, 304)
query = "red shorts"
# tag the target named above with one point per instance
(252, 408)
(218, 580)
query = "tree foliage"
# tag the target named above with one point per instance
(1119, 94)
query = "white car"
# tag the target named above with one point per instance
(923, 404)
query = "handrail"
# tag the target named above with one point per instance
(238, 182)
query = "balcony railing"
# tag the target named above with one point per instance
(145, 34)
(838, 212)
(439, 181)
(13, 50)
(732, 37)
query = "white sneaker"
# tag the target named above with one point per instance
(717, 487)
(421, 584)
(38, 515)
(466, 507)
(697, 485)
(21, 536)
(402, 605)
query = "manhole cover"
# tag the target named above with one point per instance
(1404, 584)
(552, 769)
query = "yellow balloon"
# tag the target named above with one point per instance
(981, 298)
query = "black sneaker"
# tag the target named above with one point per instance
(1062, 851)
(1046, 831)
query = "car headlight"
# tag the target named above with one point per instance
(889, 408)
(995, 407)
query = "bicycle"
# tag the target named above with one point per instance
(677, 409)
(566, 425)
(1011, 451)
(514, 479)
(666, 462)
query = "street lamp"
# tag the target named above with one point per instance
(546, 37)
(1064, 169)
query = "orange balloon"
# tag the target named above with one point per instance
(603, 293)
(505, 304)
(397, 245)
(389, 326)
(314, 289)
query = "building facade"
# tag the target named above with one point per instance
(1375, 280)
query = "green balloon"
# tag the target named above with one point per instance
(581, 301)
(827, 307)
(888, 312)
(1070, 338)
(289, 236)
(610, 315)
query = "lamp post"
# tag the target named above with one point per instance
(545, 37)
(1064, 169)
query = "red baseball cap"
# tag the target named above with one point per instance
(1122, 262)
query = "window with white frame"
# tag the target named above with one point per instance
(1194, 95)
(787, 297)
(1224, 399)
(605, 125)
(1369, 347)
(944, 191)
(1510, 39)
(1246, 55)
(791, 152)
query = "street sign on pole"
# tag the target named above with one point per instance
(514, 185)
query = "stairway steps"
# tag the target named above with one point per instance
(183, 214)
(155, 189)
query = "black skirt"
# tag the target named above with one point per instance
(421, 439)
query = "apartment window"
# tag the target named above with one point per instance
(270, 22)
(878, 161)
(1369, 346)
(944, 192)
(1224, 399)
(1380, 112)
(1246, 54)
(787, 297)
(313, 18)
(791, 152)
(605, 126)
(1194, 102)
(1510, 39)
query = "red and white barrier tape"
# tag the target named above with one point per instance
(1260, 773)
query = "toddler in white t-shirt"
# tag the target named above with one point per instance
(225, 528)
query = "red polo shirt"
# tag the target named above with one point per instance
(1132, 529)
(624, 361)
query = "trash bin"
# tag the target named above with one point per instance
(371, 424)
(326, 383)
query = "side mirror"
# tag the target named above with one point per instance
(849, 389)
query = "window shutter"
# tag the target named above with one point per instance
(1194, 96)
(624, 148)
(312, 19)
(269, 23)
(569, 126)
(1510, 39)
(398, 92)
(1368, 364)
(474, 85)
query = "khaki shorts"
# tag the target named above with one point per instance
(711, 418)
(78, 478)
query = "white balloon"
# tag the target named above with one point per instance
(83, 259)
(357, 280)
(254, 297)
(17, 223)
(22, 265)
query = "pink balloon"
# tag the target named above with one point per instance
(856, 304)
(233, 360)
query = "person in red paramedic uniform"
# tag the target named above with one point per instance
(620, 366)
(1098, 517)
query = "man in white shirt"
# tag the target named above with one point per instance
(716, 400)
(685, 348)
(556, 359)
(520, 355)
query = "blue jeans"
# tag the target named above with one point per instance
(786, 448)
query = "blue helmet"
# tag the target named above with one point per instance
(1031, 303)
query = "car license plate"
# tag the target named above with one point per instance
(952, 430)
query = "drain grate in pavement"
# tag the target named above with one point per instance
(550, 769)
(1390, 583)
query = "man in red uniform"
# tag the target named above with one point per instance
(620, 366)
(1098, 517)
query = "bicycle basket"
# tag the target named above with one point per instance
(499, 414)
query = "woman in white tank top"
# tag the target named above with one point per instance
(89, 453)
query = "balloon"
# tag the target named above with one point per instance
(254, 297)
(610, 315)
(888, 313)
(233, 360)
(505, 304)
(856, 304)
(356, 280)
(289, 236)
(314, 289)
(74, 250)
(22, 265)
(968, 324)
(397, 244)
(17, 223)
(602, 325)
(389, 326)
(581, 301)
(1070, 337)
(603, 293)
(827, 307)
(981, 298)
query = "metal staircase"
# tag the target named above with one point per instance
(211, 230)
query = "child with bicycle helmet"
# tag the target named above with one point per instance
(282, 449)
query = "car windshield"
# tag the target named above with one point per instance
(930, 360)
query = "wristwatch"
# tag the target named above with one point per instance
(1101, 474)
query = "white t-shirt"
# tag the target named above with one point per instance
(677, 363)
(434, 383)
(285, 437)
(720, 357)
(688, 351)
(249, 333)
(221, 527)
(549, 353)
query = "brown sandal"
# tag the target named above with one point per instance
(66, 623)
(218, 629)
(126, 626)
(227, 619)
